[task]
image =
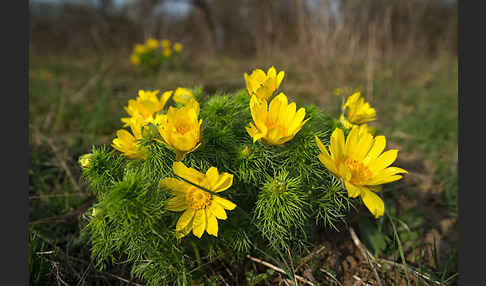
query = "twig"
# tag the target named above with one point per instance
(292, 265)
(450, 278)
(58, 275)
(269, 265)
(44, 252)
(361, 280)
(423, 276)
(331, 275)
(366, 254)
(308, 257)
(222, 279)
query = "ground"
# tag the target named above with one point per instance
(75, 103)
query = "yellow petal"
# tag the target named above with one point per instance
(383, 161)
(217, 210)
(290, 114)
(373, 202)
(390, 171)
(364, 146)
(337, 144)
(378, 147)
(297, 121)
(258, 109)
(272, 72)
(275, 106)
(249, 87)
(321, 146)
(280, 77)
(164, 98)
(212, 177)
(199, 223)
(176, 204)
(190, 174)
(328, 163)
(384, 180)
(258, 75)
(125, 135)
(353, 191)
(225, 181)
(265, 92)
(212, 227)
(185, 219)
(352, 141)
(254, 132)
(175, 185)
(224, 203)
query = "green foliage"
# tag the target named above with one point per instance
(38, 267)
(281, 210)
(105, 169)
(283, 193)
(151, 59)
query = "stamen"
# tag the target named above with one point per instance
(197, 198)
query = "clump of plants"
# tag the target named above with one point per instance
(193, 178)
(153, 55)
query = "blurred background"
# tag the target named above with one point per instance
(401, 54)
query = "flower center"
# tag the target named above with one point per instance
(197, 198)
(277, 125)
(360, 174)
(183, 128)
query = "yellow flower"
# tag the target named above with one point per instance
(166, 52)
(152, 44)
(263, 85)
(146, 105)
(85, 159)
(358, 111)
(177, 47)
(358, 160)
(278, 124)
(95, 211)
(181, 129)
(202, 208)
(139, 49)
(135, 59)
(126, 143)
(348, 125)
(182, 95)
(165, 44)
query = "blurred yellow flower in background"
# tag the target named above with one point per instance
(139, 49)
(177, 47)
(201, 207)
(263, 85)
(182, 95)
(166, 52)
(181, 129)
(152, 44)
(135, 59)
(278, 124)
(358, 160)
(165, 43)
